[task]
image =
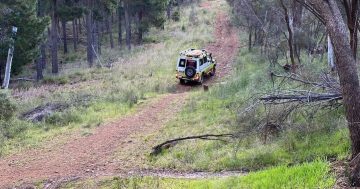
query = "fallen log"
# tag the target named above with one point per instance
(302, 98)
(22, 79)
(170, 143)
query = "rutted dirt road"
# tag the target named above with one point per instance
(97, 154)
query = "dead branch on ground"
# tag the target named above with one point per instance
(327, 84)
(170, 143)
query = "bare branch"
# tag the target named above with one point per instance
(158, 148)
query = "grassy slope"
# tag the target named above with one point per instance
(216, 112)
(307, 175)
(297, 158)
(98, 95)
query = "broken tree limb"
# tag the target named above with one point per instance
(301, 98)
(327, 83)
(22, 79)
(169, 143)
(293, 77)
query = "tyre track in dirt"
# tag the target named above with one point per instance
(97, 154)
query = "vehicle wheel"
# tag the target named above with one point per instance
(213, 71)
(190, 72)
(201, 79)
(182, 82)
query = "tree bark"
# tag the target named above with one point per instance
(250, 37)
(75, 36)
(297, 15)
(109, 30)
(119, 27)
(54, 38)
(290, 28)
(95, 36)
(351, 9)
(127, 26)
(348, 74)
(79, 26)
(98, 25)
(89, 35)
(39, 70)
(41, 60)
(140, 28)
(168, 10)
(63, 25)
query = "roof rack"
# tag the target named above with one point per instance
(193, 53)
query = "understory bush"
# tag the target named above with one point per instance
(7, 107)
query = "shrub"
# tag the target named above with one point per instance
(7, 107)
(183, 28)
(11, 128)
(63, 119)
(58, 80)
(176, 16)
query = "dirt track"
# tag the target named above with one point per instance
(100, 153)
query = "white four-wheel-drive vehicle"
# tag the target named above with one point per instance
(193, 65)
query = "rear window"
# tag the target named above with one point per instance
(191, 63)
(182, 63)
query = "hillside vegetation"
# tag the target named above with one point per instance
(90, 97)
(298, 155)
(281, 136)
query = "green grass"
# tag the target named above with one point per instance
(218, 111)
(96, 95)
(306, 175)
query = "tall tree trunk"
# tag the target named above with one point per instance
(109, 30)
(140, 28)
(98, 35)
(39, 70)
(297, 12)
(41, 60)
(168, 10)
(250, 37)
(127, 26)
(119, 26)
(48, 43)
(63, 25)
(95, 38)
(74, 34)
(89, 37)
(79, 26)
(2, 64)
(54, 38)
(351, 9)
(43, 55)
(289, 24)
(348, 75)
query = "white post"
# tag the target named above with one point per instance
(9, 61)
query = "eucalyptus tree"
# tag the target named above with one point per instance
(329, 11)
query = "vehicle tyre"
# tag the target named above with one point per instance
(190, 72)
(213, 71)
(182, 81)
(201, 80)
